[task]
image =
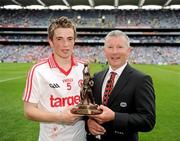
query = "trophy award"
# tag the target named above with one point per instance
(87, 104)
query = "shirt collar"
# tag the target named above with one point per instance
(117, 71)
(53, 63)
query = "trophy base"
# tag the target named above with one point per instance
(86, 109)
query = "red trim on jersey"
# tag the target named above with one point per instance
(28, 87)
(74, 60)
(51, 61)
(73, 63)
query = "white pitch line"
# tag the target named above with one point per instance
(12, 78)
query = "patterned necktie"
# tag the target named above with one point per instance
(108, 88)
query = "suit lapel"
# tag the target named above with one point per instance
(100, 80)
(120, 84)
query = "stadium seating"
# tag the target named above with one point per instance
(154, 34)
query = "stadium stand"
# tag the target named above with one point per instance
(154, 34)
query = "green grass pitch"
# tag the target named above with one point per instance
(14, 127)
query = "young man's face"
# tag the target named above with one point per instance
(63, 42)
(116, 51)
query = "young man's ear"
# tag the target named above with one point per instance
(50, 42)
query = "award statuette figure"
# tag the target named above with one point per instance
(87, 104)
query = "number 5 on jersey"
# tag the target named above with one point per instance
(69, 86)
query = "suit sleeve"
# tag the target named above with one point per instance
(143, 119)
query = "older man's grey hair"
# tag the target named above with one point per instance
(118, 33)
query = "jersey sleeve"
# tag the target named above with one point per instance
(32, 91)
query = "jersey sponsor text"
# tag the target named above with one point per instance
(62, 101)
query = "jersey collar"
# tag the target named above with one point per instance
(53, 64)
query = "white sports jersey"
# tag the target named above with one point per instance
(53, 89)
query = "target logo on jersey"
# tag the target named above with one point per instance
(64, 101)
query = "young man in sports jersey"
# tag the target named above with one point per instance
(53, 87)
